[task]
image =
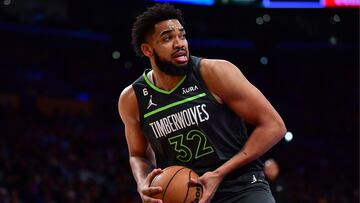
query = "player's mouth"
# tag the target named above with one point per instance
(180, 56)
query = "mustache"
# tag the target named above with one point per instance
(180, 50)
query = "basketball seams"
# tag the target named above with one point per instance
(162, 198)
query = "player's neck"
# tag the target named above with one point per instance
(164, 81)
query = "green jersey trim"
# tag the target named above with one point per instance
(174, 104)
(160, 90)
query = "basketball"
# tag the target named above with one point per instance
(175, 182)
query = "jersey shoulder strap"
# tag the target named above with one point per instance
(142, 92)
(196, 67)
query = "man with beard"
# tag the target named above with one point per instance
(189, 111)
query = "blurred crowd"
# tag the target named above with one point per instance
(62, 157)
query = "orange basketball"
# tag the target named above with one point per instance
(175, 182)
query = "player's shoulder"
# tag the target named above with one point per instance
(127, 96)
(213, 62)
(215, 67)
(128, 105)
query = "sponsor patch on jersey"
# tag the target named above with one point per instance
(186, 90)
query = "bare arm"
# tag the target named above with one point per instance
(229, 85)
(141, 156)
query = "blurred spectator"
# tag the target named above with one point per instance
(277, 185)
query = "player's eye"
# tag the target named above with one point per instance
(166, 38)
(183, 36)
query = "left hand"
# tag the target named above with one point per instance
(210, 181)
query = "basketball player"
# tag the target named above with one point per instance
(189, 111)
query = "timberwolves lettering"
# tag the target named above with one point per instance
(179, 120)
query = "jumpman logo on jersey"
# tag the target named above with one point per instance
(151, 103)
(254, 180)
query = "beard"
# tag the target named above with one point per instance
(172, 69)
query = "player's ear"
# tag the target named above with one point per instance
(146, 49)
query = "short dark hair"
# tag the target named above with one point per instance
(144, 23)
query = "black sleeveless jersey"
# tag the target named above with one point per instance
(187, 126)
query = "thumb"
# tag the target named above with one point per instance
(194, 181)
(152, 175)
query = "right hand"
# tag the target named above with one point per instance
(145, 190)
(209, 181)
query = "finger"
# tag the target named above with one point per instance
(195, 182)
(148, 199)
(204, 199)
(152, 174)
(152, 190)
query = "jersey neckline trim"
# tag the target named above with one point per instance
(161, 90)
